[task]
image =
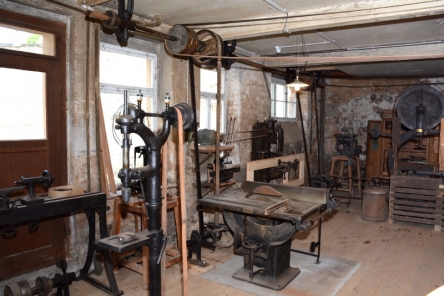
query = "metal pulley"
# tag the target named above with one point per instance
(420, 108)
(187, 116)
(202, 43)
(43, 287)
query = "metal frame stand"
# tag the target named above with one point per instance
(314, 245)
(90, 203)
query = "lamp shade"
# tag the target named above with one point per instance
(297, 84)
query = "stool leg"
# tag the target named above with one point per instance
(358, 169)
(341, 171)
(350, 176)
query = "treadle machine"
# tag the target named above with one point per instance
(263, 218)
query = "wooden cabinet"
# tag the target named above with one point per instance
(378, 150)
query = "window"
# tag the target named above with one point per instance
(126, 69)
(26, 40)
(283, 100)
(208, 102)
(23, 114)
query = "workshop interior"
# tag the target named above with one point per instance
(257, 147)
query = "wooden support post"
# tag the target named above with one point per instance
(183, 205)
(441, 146)
(107, 182)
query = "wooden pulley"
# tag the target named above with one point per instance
(202, 43)
(187, 41)
(213, 43)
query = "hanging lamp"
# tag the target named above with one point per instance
(297, 84)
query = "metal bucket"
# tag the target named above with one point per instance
(375, 205)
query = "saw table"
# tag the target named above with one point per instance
(263, 218)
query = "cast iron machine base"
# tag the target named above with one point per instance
(263, 223)
(265, 245)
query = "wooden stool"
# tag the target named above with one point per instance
(136, 207)
(342, 159)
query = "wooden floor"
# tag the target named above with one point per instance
(398, 259)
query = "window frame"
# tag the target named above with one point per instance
(274, 82)
(134, 90)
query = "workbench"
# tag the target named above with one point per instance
(90, 203)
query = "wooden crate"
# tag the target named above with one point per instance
(415, 199)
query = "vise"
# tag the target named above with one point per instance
(264, 221)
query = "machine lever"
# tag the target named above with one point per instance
(164, 243)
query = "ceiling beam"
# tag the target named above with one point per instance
(330, 17)
(376, 55)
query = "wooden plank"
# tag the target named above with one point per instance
(410, 219)
(414, 197)
(183, 208)
(411, 203)
(415, 191)
(416, 209)
(107, 176)
(441, 147)
(273, 162)
(414, 182)
(413, 214)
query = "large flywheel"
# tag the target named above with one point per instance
(420, 103)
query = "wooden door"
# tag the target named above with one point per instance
(31, 251)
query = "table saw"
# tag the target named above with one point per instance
(263, 218)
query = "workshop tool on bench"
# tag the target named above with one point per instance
(44, 285)
(30, 182)
(5, 205)
(264, 218)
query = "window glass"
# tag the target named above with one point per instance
(208, 102)
(203, 124)
(21, 39)
(283, 101)
(208, 81)
(120, 69)
(23, 111)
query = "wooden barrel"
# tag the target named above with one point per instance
(375, 205)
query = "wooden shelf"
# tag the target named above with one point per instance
(222, 184)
